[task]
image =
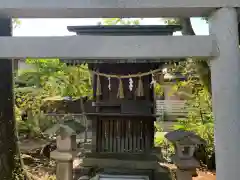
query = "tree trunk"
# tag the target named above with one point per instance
(9, 158)
(202, 67)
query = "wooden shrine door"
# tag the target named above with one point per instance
(124, 135)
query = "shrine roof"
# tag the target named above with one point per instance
(126, 30)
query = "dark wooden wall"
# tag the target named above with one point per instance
(128, 129)
(124, 135)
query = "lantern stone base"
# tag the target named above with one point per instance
(64, 164)
(184, 174)
(186, 167)
(64, 170)
(185, 164)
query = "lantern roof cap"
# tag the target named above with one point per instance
(181, 135)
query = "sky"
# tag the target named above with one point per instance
(58, 27)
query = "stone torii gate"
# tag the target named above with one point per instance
(221, 46)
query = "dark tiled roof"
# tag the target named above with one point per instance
(125, 29)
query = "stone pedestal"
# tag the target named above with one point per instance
(64, 155)
(185, 167)
(183, 174)
(64, 170)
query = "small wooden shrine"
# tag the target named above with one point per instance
(123, 110)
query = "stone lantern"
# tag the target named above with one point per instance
(185, 148)
(66, 150)
(185, 144)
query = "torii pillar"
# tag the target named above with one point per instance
(225, 69)
(7, 121)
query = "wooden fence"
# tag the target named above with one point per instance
(171, 108)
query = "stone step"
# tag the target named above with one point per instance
(153, 175)
(114, 163)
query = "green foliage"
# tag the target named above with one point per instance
(158, 90)
(167, 148)
(121, 21)
(199, 104)
(16, 23)
(77, 82)
(47, 78)
(200, 118)
(49, 177)
(199, 107)
(172, 21)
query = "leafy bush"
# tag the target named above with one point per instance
(46, 78)
(49, 177)
(199, 106)
(200, 119)
(167, 148)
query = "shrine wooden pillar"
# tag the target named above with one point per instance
(7, 118)
(225, 69)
